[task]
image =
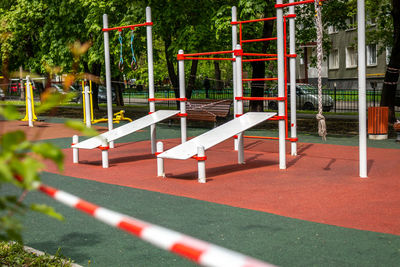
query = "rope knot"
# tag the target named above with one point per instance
(321, 126)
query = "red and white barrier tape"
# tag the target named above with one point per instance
(196, 250)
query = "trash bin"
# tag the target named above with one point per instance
(378, 123)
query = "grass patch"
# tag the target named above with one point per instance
(13, 254)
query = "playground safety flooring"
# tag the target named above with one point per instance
(316, 212)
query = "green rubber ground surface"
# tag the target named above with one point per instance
(276, 239)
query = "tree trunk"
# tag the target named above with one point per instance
(393, 69)
(192, 79)
(257, 87)
(170, 66)
(96, 69)
(217, 73)
(119, 97)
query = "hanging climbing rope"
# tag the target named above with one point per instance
(318, 22)
(121, 58)
(134, 64)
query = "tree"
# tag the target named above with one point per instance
(258, 9)
(389, 27)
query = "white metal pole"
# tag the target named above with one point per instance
(87, 106)
(239, 94)
(104, 153)
(234, 81)
(201, 165)
(75, 151)
(152, 104)
(293, 108)
(160, 161)
(29, 99)
(281, 85)
(362, 84)
(108, 76)
(182, 94)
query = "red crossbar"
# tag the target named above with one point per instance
(260, 79)
(126, 27)
(259, 59)
(271, 138)
(207, 53)
(260, 98)
(259, 55)
(259, 40)
(277, 118)
(253, 20)
(208, 58)
(295, 3)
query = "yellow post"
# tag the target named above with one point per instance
(91, 101)
(83, 101)
(34, 118)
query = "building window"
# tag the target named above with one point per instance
(371, 55)
(351, 23)
(332, 29)
(334, 59)
(351, 57)
(388, 54)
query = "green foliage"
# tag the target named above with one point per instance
(13, 254)
(20, 165)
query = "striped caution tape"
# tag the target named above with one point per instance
(196, 250)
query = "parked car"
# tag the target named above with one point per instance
(306, 98)
(101, 97)
(57, 87)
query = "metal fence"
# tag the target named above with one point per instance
(343, 100)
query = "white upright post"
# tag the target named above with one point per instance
(293, 108)
(281, 85)
(152, 104)
(201, 165)
(75, 151)
(87, 105)
(234, 81)
(239, 94)
(29, 99)
(362, 106)
(104, 153)
(182, 94)
(160, 161)
(108, 76)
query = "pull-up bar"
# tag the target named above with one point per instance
(252, 20)
(127, 27)
(259, 40)
(296, 3)
(194, 56)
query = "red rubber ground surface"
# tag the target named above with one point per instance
(321, 184)
(41, 130)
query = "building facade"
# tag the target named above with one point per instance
(340, 67)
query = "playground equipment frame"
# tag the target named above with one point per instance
(149, 37)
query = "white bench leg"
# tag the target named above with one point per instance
(240, 149)
(160, 161)
(75, 151)
(201, 164)
(104, 153)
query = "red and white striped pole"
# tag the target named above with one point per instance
(201, 252)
